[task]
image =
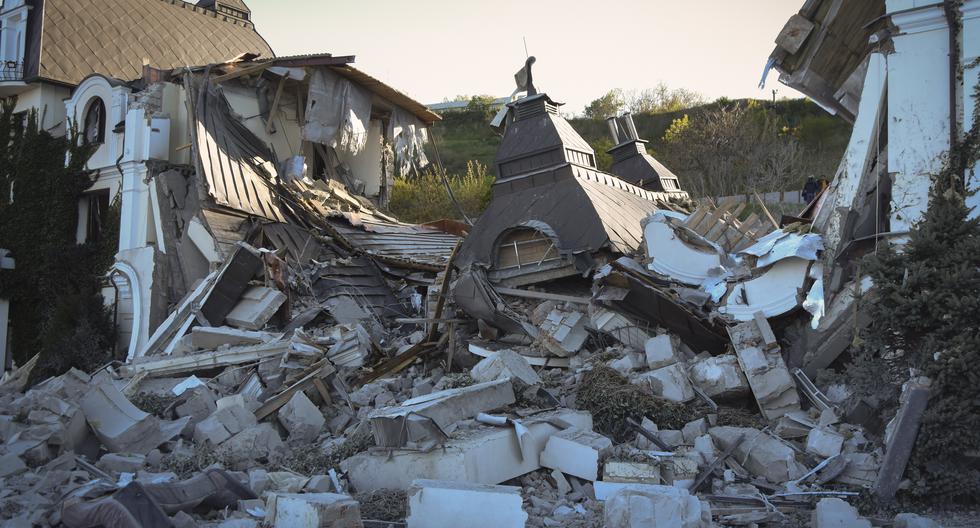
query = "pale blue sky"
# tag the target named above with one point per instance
(433, 49)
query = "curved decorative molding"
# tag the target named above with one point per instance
(131, 276)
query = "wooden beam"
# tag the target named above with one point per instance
(765, 209)
(324, 369)
(241, 71)
(274, 111)
(527, 294)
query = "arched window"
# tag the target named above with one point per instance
(94, 132)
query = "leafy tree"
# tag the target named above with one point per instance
(609, 105)
(662, 99)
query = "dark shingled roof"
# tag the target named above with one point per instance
(114, 37)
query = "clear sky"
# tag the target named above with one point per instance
(436, 49)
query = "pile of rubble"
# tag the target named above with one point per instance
(299, 411)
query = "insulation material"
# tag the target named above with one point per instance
(337, 112)
(408, 135)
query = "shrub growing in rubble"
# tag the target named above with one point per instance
(424, 198)
(927, 319)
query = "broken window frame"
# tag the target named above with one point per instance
(93, 131)
(507, 243)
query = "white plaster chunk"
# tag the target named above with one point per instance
(575, 452)
(312, 510)
(824, 442)
(212, 337)
(835, 513)
(447, 504)
(774, 292)
(629, 362)
(483, 455)
(719, 376)
(669, 382)
(645, 508)
(660, 352)
(619, 327)
(760, 453)
(301, 418)
(505, 364)
(121, 426)
(672, 257)
(564, 333)
(257, 305)
(635, 472)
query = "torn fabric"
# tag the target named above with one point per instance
(337, 112)
(408, 136)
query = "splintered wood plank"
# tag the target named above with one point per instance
(696, 217)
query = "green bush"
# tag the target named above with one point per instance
(424, 198)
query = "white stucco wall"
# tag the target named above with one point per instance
(918, 108)
(366, 164)
(49, 100)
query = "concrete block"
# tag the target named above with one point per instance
(312, 510)
(564, 333)
(835, 513)
(760, 453)
(257, 305)
(122, 427)
(505, 364)
(619, 327)
(719, 376)
(258, 480)
(223, 424)
(117, 463)
(655, 507)
(198, 404)
(671, 437)
(629, 362)
(669, 382)
(575, 452)
(443, 409)
(824, 442)
(634, 472)
(258, 441)
(660, 352)
(705, 446)
(482, 455)
(11, 464)
(447, 504)
(212, 337)
(694, 429)
(301, 418)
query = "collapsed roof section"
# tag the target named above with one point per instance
(552, 210)
(822, 51)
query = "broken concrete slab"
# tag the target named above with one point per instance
(258, 442)
(157, 366)
(629, 362)
(301, 418)
(227, 421)
(670, 382)
(694, 429)
(122, 427)
(119, 463)
(771, 383)
(255, 307)
(11, 464)
(442, 408)
(212, 337)
(312, 510)
(914, 399)
(619, 327)
(719, 377)
(760, 453)
(448, 504)
(824, 442)
(505, 364)
(631, 472)
(835, 513)
(563, 333)
(483, 455)
(660, 352)
(576, 452)
(655, 507)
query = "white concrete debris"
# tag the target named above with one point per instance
(629, 362)
(483, 455)
(670, 382)
(656, 507)
(674, 257)
(760, 453)
(618, 326)
(835, 513)
(719, 376)
(312, 510)
(824, 442)
(575, 452)
(911, 520)
(631, 472)
(256, 306)
(398, 425)
(301, 418)
(774, 292)
(230, 418)
(447, 504)
(121, 426)
(505, 364)
(660, 352)
(564, 333)
(212, 337)
(771, 383)
(353, 346)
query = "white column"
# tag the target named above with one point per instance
(918, 109)
(134, 224)
(971, 77)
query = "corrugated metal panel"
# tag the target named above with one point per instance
(407, 243)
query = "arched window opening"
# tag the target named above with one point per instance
(94, 131)
(525, 247)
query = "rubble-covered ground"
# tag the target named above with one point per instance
(578, 410)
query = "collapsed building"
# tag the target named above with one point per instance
(596, 350)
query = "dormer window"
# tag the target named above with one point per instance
(94, 131)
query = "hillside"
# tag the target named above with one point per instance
(466, 135)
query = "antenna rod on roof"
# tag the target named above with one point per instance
(526, 54)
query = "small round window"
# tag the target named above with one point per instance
(94, 132)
